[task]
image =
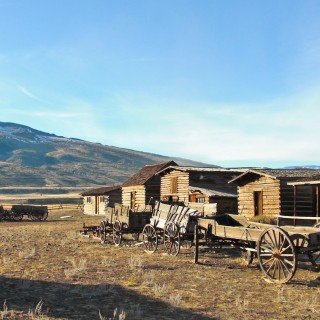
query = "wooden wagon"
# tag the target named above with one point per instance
(172, 225)
(278, 249)
(17, 212)
(122, 220)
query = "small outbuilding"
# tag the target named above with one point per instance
(197, 185)
(95, 201)
(144, 186)
(271, 192)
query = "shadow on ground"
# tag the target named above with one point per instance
(76, 301)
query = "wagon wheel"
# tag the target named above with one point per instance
(314, 257)
(172, 239)
(301, 241)
(150, 238)
(16, 216)
(135, 236)
(44, 216)
(247, 256)
(277, 255)
(184, 241)
(317, 225)
(103, 232)
(117, 233)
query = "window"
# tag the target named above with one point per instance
(101, 199)
(88, 199)
(173, 184)
(200, 200)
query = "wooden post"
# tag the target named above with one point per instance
(294, 204)
(196, 247)
(317, 202)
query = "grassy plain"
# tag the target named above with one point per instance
(49, 271)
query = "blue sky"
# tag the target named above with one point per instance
(232, 83)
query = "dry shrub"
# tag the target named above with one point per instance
(135, 262)
(77, 268)
(27, 254)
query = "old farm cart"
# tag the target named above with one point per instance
(122, 220)
(172, 225)
(278, 249)
(17, 212)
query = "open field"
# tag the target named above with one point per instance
(41, 196)
(49, 271)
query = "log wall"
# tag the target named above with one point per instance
(140, 195)
(271, 204)
(96, 205)
(182, 193)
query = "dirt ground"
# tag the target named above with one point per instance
(49, 271)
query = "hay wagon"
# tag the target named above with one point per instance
(17, 212)
(277, 248)
(172, 225)
(122, 220)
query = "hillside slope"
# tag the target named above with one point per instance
(29, 157)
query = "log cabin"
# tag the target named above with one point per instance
(196, 185)
(144, 186)
(96, 200)
(270, 192)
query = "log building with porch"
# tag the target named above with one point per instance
(272, 192)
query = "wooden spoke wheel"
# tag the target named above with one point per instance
(135, 236)
(314, 257)
(117, 233)
(277, 255)
(317, 225)
(247, 256)
(186, 243)
(16, 216)
(172, 239)
(103, 232)
(299, 241)
(150, 238)
(44, 216)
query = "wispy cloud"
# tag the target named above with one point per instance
(31, 95)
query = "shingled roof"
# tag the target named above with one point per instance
(146, 173)
(100, 191)
(280, 173)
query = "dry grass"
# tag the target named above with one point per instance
(78, 278)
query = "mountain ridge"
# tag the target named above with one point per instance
(30, 157)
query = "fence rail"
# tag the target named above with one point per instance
(52, 207)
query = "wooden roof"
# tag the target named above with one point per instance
(146, 173)
(221, 192)
(279, 173)
(100, 191)
(200, 169)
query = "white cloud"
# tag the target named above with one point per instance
(278, 130)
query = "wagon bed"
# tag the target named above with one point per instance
(277, 248)
(122, 220)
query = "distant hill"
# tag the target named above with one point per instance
(314, 167)
(30, 157)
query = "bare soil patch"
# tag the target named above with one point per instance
(74, 277)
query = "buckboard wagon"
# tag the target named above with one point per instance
(122, 220)
(172, 225)
(17, 212)
(277, 248)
